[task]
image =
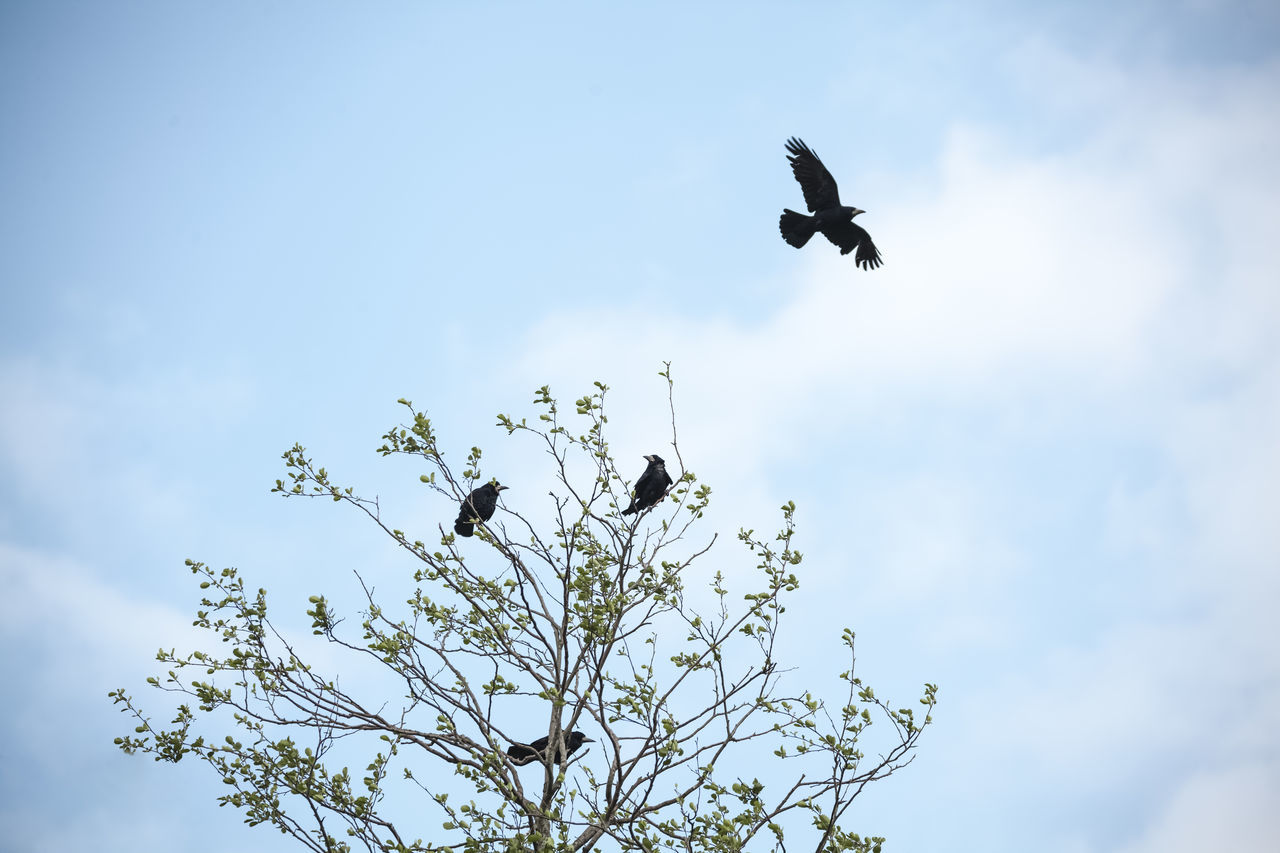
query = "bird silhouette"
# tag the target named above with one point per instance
(479, 504)
(524, 753)
(651, 486)
(833, 219)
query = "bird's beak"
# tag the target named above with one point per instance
(503, 488)
(856, 211)
(588, 740)
(647, 458)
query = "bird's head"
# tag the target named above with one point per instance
(655, 459)
(498, 487)
(577, 739)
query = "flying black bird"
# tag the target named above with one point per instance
(523, 753)
(479, 504)
(651, 486)
(833, 219)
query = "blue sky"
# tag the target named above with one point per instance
(1033, 455)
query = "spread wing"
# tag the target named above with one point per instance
(848, 237)
(819, 187)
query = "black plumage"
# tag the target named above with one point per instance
(479, 504)
(651, 486)
(833, 219)
(524, 753)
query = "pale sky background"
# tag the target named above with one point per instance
(1034, 455)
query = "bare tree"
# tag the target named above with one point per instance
(587, 619)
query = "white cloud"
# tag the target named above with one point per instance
(1230, 809)
(84, 628)
(72, 439)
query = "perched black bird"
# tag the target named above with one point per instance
(833, 219)
(523, 753)
(651, 486)
(479, 504)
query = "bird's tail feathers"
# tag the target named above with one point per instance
(797, 228)
(464, 528)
